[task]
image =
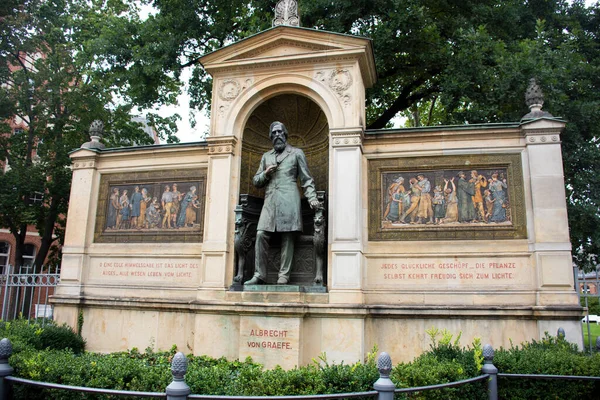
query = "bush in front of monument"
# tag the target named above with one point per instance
(41, 335)
(551, 356)
(446, 361)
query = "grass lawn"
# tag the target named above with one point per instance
(594, 331)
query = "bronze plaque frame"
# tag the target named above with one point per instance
(510, 163)
(184, 178)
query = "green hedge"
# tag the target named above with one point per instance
(26, 334)
(592, 304)
(150, 372)
(446, 361)
(549, 356)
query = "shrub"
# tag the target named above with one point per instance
(60, 338)
(24, 334)
(21, 334)
(445, 362)
(549, 356)
(593, 304)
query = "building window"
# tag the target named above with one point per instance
(18, 131)
(37, 198)
(28, 258)
(585, 289)
(4, 256)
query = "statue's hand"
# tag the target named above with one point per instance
(270, 170)
(314, 204)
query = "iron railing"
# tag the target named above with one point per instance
(385, 389)
(587, 286)
(26, 295)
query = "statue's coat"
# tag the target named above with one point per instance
(281, 211)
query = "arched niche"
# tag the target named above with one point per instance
(308, 130)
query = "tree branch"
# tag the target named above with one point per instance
(18, 58)
(431, 110)
(404, 100)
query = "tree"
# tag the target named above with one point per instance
(446, 61)
(64, 63)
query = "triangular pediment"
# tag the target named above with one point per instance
(284, 47)
(282, 42)
(289, 44)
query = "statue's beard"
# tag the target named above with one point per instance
(279, 145)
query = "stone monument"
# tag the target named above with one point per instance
(401, 249)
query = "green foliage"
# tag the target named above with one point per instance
(33, 335)
(63, 64)
(593, 304)
(594, 333)
(61, 337)
(80, 320)
(446, 361)
(550, 356)
(149, 371)
(122, 371)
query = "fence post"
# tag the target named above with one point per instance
(5, 368)
(491, 370)
(178, 389)
(384, 384)
(598, 344)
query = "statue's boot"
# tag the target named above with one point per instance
(255, 281)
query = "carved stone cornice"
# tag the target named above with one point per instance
(218, 145)
(346, 138)
(307, 60)
(542, 136)
(84, 159)
(85, 163)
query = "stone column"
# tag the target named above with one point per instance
(550, 231)
(218, 223)
(79, 230)
(346, 212)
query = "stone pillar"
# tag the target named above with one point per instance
(79, 230)
(346, 214)
(218, 223)
(550, 230)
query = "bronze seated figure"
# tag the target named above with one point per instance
(308, 267)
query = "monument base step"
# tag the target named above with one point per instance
(278, 288)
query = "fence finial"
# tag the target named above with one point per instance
(5, 368)
(490, 369)
(178, 389)
(384, 384)
(384, 364)
(5, 350)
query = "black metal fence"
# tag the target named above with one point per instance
(587, 285)
(25, 295)
(384, 388)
